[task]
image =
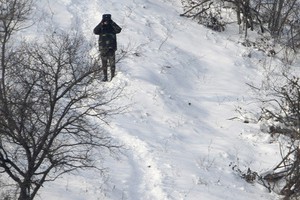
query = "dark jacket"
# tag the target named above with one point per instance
(107, 31)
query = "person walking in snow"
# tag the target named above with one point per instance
(107, 30)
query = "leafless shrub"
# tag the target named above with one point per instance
(206, 12)
(279, 18)
(280, 113)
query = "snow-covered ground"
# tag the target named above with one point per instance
(183, 83)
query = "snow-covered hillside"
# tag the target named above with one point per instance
(183, 84)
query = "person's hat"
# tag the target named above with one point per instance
(106, 16)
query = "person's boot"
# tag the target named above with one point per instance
(104, 79)
(113, 69)
(105, 76)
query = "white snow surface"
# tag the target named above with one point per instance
(183, 83)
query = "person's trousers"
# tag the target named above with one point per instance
(111, 61)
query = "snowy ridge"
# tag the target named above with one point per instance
(183, 83)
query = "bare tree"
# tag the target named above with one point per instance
(48, 126)
(13, 15)
(51, 105)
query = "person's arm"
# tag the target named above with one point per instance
(116, 27)
(98, 29)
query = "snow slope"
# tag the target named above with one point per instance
(183, 84)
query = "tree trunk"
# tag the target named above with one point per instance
(276, 17)
(238, 12)
(25, 191)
